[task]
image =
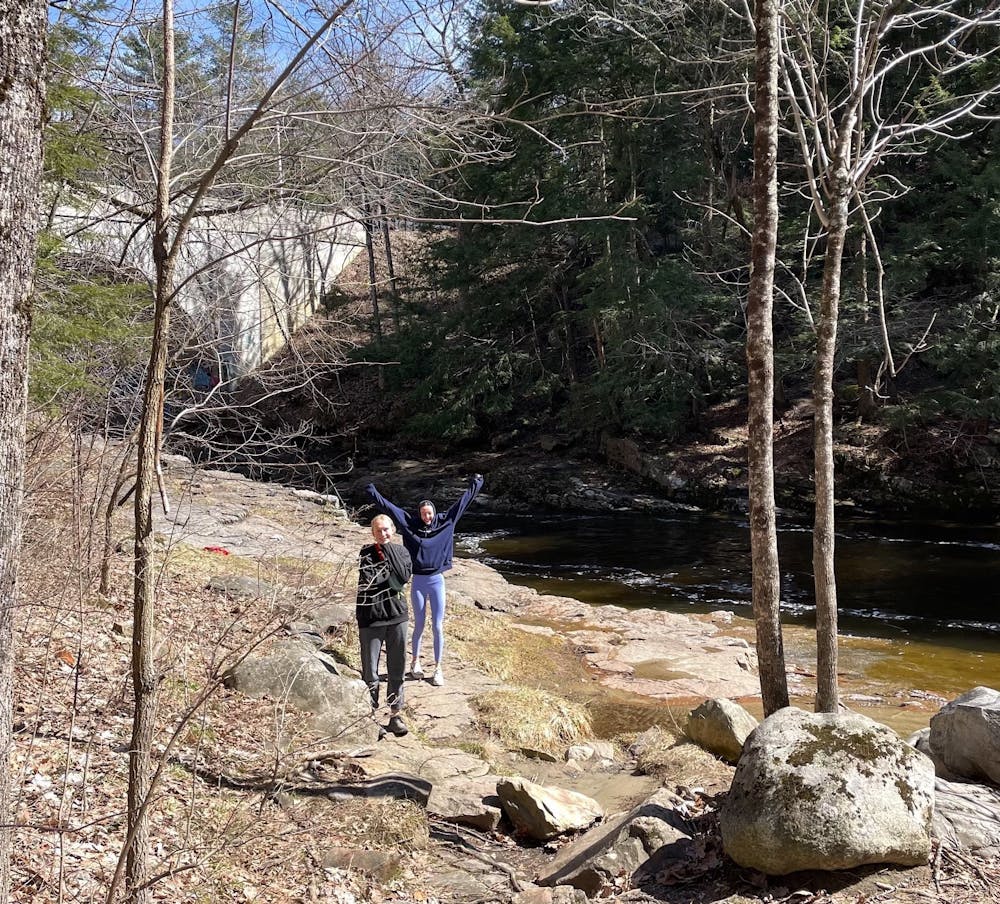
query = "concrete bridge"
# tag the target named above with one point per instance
(247, 280)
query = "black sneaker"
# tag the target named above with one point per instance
(397, 726)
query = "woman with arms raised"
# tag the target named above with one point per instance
(429, 537)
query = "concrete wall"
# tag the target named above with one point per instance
(247, 280)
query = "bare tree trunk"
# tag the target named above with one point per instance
(368, 222)
(823, 529)
(22, 90)
(372, 279)
(609, 279)
(760, 363)
(167, 243)
(390, 267)
(104, 584)
(144, 677)
(867, 405)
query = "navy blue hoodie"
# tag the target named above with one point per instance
(430, 545)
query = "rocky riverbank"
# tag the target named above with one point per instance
(279, 785)
(636, 673)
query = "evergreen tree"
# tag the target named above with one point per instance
(605, 319)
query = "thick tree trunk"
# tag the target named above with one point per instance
(823, 529)
(839, 189)
(867, 406)
(760, 362)
(22, 55)
(144, 672)
(166, 249)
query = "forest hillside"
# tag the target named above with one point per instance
(571, 264)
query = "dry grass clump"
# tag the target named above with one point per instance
(526, 717)
(678, 761)
(490, 644)
(381, 823)
(343, 644)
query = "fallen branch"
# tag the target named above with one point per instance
(448, 833)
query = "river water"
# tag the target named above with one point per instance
(927, 593)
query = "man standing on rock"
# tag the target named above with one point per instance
(383, 571)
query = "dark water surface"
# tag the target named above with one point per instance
(932, 590)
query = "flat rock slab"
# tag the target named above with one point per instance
(408, 754)
(469, 880)
(446, 712)
(560, 894)
(663, 655)
(467, 801)
(631, 649)
(967, 816)
(227, 510)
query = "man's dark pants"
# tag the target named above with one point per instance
(393, 637)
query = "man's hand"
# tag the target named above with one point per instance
(477, 476)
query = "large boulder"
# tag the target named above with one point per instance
(544, 812)
(720, 726)
(965, 735)
(332, 614)
(618, 848)
(293, 671)
(827, 791)
(921, 740)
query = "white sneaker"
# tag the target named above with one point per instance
(416, 670)
(438, 678)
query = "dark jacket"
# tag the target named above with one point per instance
(382, 573)
(431, 545)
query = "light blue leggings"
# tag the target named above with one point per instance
(428, 588)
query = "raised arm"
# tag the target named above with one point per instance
(458, 509)
(391, 509)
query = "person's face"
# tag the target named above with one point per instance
(382, 531)
(426, 514)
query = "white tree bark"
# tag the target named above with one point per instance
(760, 363)
(22, 54)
